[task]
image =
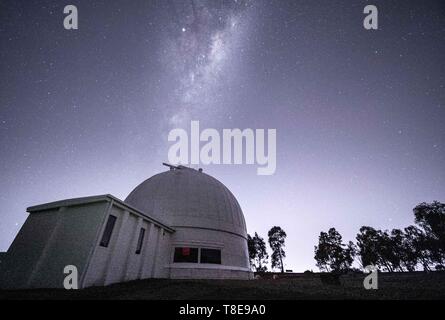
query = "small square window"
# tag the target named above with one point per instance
(211, 256)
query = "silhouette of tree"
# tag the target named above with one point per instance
(257, 253)
(322, 252)
(416, 247)
(252, 250)
(262, 256)
(391, 249)
(333, 255)
(398, 250)
(277, 238)
(397, 254)
(431, 218)
(368, 246)
(375, 247)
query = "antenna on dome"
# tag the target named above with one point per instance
(172, 167)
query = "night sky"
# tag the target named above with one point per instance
(360, 115)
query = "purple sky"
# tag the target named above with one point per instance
(359, 114)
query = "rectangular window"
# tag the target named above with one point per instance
(140, 241)
(106, 237)
(211, 256)
(186, 255)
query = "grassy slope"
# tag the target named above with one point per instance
(391, 286)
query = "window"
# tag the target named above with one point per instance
(140, 241)
(211, 256)
(106, 237)
(186, 255)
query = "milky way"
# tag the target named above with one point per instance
(199, 54)
(359, 114)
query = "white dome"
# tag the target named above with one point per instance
(185, 197)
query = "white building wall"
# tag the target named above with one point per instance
(234, 262)
(133, 262)
(120, 247)
(48, 241)
(147, 267)
(69, 232)
(203, 212)
(141, 271)
(162, 255)
(119, 262)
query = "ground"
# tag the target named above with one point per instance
(416, 285)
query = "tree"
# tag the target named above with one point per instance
(277, 237)
(333, 255)
(431, 218)
(416, 247)
(322, 252)
(368, 246)
(257, 253)
(391, 254)
(395, 250)
(252, 250)
(401, 254)
(261, 253)
(376, 247)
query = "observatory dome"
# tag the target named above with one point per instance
(185, 197)
(209, 238)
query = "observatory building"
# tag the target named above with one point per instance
(179, 224)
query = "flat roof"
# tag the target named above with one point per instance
(99, 198)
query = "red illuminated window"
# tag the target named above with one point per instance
(185, 254)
